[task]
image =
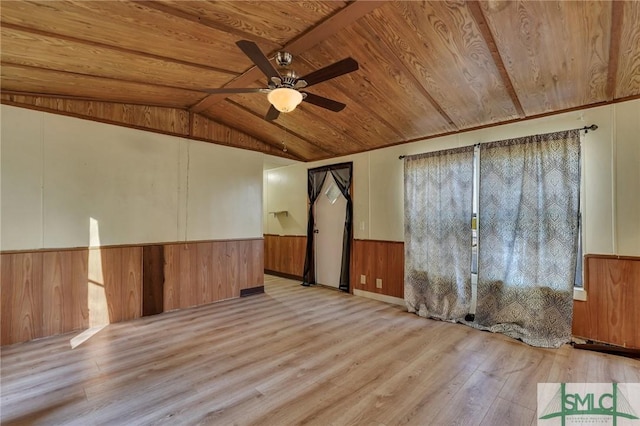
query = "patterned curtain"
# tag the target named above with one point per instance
(528, 236)
(438, 207)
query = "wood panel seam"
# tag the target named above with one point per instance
(115, 48)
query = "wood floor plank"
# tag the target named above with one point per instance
(505, 412)
(293, 355)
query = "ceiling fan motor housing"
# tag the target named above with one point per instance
(289, 77)
(283, 59)
(284, 84)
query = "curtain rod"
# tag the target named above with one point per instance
(586, 129)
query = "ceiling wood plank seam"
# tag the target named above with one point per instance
(390, 52)
(291, 151)
(113, 113)
(318, 117)
(617, 15)
(160, 7)
(8, 25)
(320, 32)
(327, 28)
(351, 98)
(485, 31)
(79, 98)
(98, 77)
(204, 122)
(281, 127)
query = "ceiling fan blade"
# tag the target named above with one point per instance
(255, 54)
(323, 102)
(272, 114)
(339, 68)
(229, 90)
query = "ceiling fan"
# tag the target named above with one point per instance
(284, 86)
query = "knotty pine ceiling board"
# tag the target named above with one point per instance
(556, 52)
(310, 38)
(211, 131)
(302, 122)
(352, 129)
(360, 129)
(165, 120)
(357, 119)
(38, 50)
(278, 22)
(39, 81)
(426, 68)
(255, 125)
(321, 131)
(628, 75)
(380, 83)
(441, 46)
(132, 26)
(322, 134)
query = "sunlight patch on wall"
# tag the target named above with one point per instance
(96, 294)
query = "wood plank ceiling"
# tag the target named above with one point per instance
(426, 68)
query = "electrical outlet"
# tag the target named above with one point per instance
(378, 282)
(363, 279)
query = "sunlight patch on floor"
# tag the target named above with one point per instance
(85, 335)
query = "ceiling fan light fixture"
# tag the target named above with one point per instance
(284, 99)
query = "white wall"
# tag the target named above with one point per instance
(58, 173)
(611, 184)
(627, 178)
(282, 189)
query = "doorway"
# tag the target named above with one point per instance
(330, 210)
(331, 186)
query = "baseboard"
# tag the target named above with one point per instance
(250, 291)
(283, 275)
(381, 297)
(610, 349)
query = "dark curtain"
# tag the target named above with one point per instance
(341, 174)
(315, 181)
(342, 178)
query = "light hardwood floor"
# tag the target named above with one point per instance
(294, 355)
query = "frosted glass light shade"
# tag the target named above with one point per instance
(284, 99)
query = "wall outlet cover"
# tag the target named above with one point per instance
(363, 279)
(378, 282)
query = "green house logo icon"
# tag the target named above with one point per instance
(588, 405)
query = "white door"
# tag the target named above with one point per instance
(330, 210)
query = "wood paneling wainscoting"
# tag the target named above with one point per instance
(284, 254)
(378, 260)
(611, 313)
(205, 272)
(48, 292)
